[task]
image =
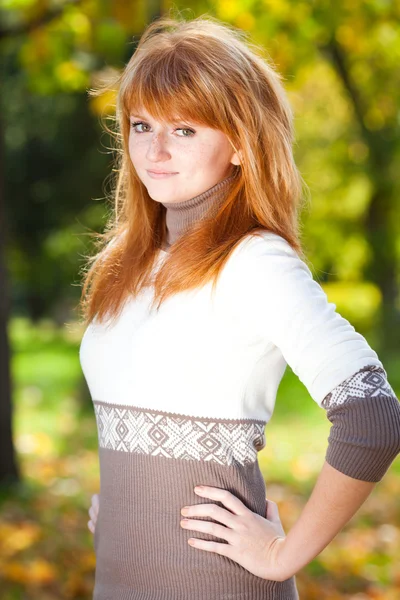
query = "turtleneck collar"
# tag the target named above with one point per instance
(180, 215)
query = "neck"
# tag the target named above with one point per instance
(181, 215)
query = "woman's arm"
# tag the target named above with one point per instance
(333, 501)
(364, 440)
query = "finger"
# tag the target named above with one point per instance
(96, 501)
(214, 529)
(214, 511)
(91, 526)
(232, 502)
(272, 513)
(92, 514)
(223, 549)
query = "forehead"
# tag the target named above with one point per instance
(142, 113)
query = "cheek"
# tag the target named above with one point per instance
(214, 158)
(202, 155)
(134, 151)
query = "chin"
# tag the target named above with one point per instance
(160, 198)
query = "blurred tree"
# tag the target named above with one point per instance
(340, 62)
(376, 116)
(47, 56)
(8, 466)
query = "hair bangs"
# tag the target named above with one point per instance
(171, 90)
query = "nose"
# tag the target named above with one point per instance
(157, 149)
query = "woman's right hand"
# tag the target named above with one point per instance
(93, 512)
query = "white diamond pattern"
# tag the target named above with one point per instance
(368, 382)
(173, 436)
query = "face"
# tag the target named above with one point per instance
(194, 157)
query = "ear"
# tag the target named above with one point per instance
(237, 158)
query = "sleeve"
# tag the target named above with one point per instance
(365, 435)
(342, 373)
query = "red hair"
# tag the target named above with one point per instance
(207, 72)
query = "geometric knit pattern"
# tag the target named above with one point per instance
(368, 382)
(155, 433)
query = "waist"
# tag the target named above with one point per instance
(142, 552)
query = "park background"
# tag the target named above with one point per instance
(340, 63)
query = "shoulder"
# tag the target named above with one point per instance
(265, 254)
(265, 239)
(268, 280)
(263, 243)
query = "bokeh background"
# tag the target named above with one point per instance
(340, 63)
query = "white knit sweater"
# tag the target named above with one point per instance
(225, 356)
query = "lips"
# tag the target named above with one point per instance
(160, 175)
(161, 172)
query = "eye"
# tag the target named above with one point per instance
(134, 125)
(186, 129)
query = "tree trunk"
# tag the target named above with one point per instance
(380, 218)
(8, 465)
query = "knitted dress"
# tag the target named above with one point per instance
(182, 397)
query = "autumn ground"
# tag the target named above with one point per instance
(46, 550)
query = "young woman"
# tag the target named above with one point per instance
(196, 301)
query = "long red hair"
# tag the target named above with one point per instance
(207, 72)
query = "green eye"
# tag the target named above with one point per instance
(134, 125)
(186, 129)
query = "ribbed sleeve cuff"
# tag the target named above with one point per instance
(365, 436)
